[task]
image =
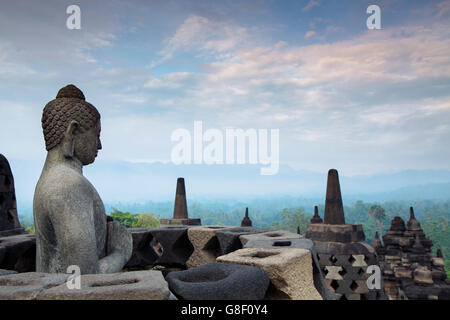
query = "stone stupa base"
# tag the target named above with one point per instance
(180, 222)
(335, 232)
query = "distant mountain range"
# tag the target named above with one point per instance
(120, 181)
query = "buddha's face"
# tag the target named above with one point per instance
(87, 144)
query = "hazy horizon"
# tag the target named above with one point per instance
(129, 183)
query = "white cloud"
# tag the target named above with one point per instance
(309, 34)
(311, 4)
(443, 9)
(205, 35)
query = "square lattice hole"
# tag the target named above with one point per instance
(353, 286)
(334, 284)
(343, 272)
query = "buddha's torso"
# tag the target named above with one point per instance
(46, 211)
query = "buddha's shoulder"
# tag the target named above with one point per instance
(62, 178)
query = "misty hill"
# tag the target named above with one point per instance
(126, 182)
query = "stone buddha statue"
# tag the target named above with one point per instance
(69, 215)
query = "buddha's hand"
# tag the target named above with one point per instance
(119, 240)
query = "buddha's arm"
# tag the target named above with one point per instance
(118, 248)
(73, 222)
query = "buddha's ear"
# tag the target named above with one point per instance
(68, 145)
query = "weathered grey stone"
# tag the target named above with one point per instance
(246, 222)
(219, 281)
(229, 238)
(9, 220)
(136, 285)
(342, 252)
(333, 273)
(270, 235)
(335, 232)
(180, 211)
(301, 243)
(284, 243)
(344, 264)
(4, 272)
(205, 243)
(176, 247)
(334, 210)
(422, 275)
(12, 232)
(353, 296)
(27, 286)
(19, 253)
(437, 262)
(290, 271)
(70, 220)
(146, 250)
(401, 272)
(408, 269)
(2, 253)
(440, 275)
(361, 247)
(412, 224)
(316, 218)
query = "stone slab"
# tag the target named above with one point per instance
(19, 253)
(229, 238)
(271, 235)
(136, 285)
(290, 271)
(299, 243)
(4, 272)
(28, 285)
(180, 222)
(12, 232)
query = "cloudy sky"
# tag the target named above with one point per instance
(342, 96)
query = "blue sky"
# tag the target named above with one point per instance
(363, 101)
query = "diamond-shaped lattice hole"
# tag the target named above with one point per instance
(351, 259)
(333, 259)
(354, 286)
(334, 284)
(343, 272)
(325, 271)
(361, 271)
(343, 297)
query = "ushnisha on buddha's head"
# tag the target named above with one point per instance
(72, 126)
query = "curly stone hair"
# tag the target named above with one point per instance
(69, 105)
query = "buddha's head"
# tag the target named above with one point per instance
(73, 125)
